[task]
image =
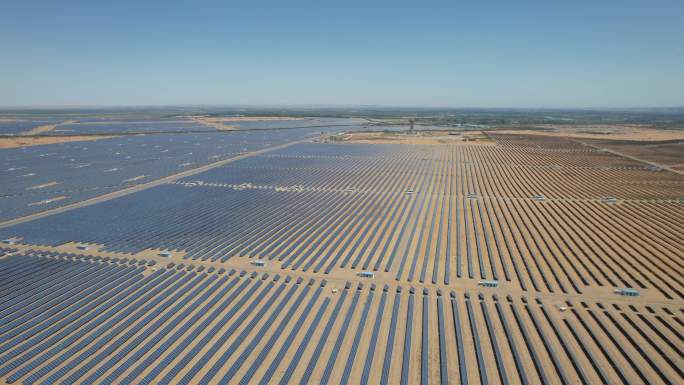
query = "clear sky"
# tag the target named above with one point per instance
(598, 53)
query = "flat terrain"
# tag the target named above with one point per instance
(45, 128)
(160, 286)
(24, 141)
(257, 118)
(608, 132)
(666, 153)
(84, 170)
(416, 138)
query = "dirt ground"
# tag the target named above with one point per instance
(669, 153)
(614, 132)
(554, 318)
(418, 138)
(214, 123)
(256, 118)
(662, 147)
(220, 123)
(25, 141)
(46, 128)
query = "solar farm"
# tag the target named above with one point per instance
(294, 253)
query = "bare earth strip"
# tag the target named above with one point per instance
(257, 118)
(26, 141)
(219, 123)
(141, 187)
(46, 128)
(213, 123)
(417, 138)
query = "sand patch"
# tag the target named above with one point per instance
(256, 118)
(219, 123)
(25, 141)
(110, 122)
(419, 138)
(214, 123)
(46, 128)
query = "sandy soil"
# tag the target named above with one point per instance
(661, 147)
(419, 138)
(109, 122)
(40, 140)
(46, 128)
(220, 123)
(256, 118)
(214, 123)
(568, 235)
(604, 132)
(668, 153)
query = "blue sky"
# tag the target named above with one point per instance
(413, 53)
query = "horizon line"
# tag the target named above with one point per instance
(334, 106)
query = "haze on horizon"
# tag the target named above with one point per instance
(443, 53)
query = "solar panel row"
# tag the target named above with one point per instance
(171, 326)
(365, 220)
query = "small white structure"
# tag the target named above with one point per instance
(82, 247)
(366, 274)
(609, 199)
(627, 291)
(473, 195)
(539, 198)
(258, 262)
(488, 283)
(165, 254)
(409, 191)
(10, 241)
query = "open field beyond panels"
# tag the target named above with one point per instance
(248, 272)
